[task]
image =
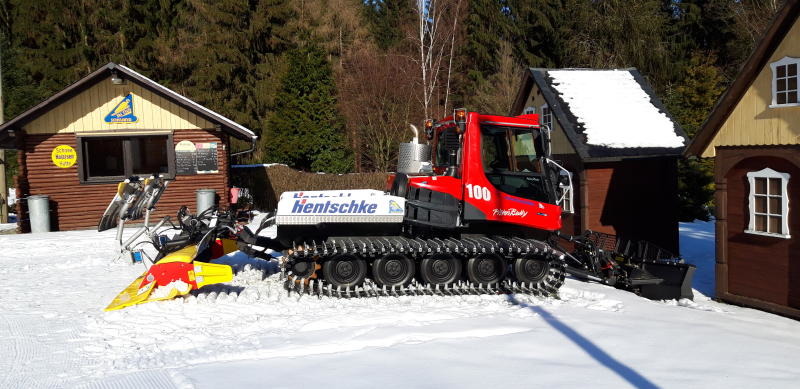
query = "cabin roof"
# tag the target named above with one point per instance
(607, 114)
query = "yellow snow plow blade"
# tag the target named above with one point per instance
(211, 273)
(184, 255)
(133, 294)
(167, 280)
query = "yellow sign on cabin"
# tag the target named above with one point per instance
(64, 156)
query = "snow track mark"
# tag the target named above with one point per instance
(151, 379)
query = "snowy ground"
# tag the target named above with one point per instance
(53, 332)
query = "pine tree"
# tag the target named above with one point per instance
(486, 25)
(212, 56)
(537, 31)
(619, 33)
(690, 103)
(306, 130)
(386, 20)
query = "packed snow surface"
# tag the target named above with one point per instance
(614, 109)
(250, 333)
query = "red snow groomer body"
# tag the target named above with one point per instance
(481, 216)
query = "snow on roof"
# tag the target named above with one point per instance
(614, 109)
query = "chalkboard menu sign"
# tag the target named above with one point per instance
(207, 158)
(185, 158)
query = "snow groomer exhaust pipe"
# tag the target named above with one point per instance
(414, 157)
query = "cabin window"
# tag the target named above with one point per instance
(784, 82)
(114, 158)
(547, 117)
(768, 203)
(529, 110)
(448, 140)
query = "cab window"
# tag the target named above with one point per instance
(447, 140)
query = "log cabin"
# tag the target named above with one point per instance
(753, 134)
(610, 130)
(115, 123)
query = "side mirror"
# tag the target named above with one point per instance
(545, 138)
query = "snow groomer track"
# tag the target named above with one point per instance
(440, 260)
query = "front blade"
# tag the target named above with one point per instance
(135, 293)
(164, 281)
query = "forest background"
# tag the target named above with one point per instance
(331, 85)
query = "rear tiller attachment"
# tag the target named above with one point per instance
(638, 266)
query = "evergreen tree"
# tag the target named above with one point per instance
(690, 103)
(537, 31)
(306, 130)
(486, 24)
(386, 19)
(213, 40)
(619, 33)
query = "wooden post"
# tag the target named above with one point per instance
(3, 190)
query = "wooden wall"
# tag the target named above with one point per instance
(86, 112)
(752, 122)
(636, 199)
(760, 267)
(79, 206)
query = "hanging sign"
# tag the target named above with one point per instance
(207, 158)
(64, 156)
(185, 158)
(122, 112)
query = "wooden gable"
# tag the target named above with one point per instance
(560, 142)
(82, 107)
(752, 121)
(743, 116)
(86, 111)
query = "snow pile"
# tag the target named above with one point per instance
(164, 291)
(614, 109)
(251, 333)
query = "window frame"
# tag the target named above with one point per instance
(767, 174)
(529, 110)
(127, 156)
(785, 61)
(546, 116)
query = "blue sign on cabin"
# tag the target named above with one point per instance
(123, 112)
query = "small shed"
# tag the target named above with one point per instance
(753, 134)
(611, 131)
(112, 124)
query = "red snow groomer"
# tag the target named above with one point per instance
(481, 216)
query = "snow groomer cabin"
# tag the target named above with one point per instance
(76, 146)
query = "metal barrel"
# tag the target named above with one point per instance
(39, 211)
(205, 199)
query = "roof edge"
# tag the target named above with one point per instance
(91, 79)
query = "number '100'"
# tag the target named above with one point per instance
(478, 192)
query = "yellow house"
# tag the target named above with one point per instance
(754, 136)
